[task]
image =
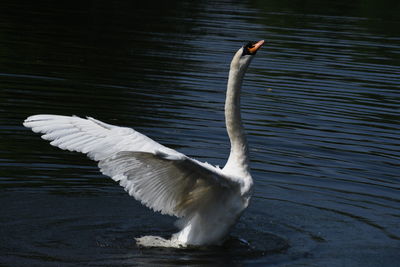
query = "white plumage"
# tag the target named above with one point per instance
(207, 200)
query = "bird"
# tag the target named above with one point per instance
(207, 200)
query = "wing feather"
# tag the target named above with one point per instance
(99, 140)
(161, 178)
(174, 187)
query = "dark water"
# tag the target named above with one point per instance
(320, 103)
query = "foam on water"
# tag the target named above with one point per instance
(150, 241)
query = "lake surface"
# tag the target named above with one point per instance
(320, 104)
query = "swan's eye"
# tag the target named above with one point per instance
(250, 44)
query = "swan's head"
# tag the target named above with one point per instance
(245, 54)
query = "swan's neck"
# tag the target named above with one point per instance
(238, 162)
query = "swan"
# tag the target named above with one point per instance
(206, 199)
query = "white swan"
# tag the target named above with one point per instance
(208, 200)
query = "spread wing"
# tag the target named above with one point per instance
(161, 178)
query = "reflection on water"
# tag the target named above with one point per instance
(320, 104)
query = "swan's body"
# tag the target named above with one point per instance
(208, 200)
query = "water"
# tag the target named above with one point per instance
(320, 105)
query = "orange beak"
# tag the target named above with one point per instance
(256, 46)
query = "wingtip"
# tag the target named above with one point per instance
(28, 120)
(32, 118)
